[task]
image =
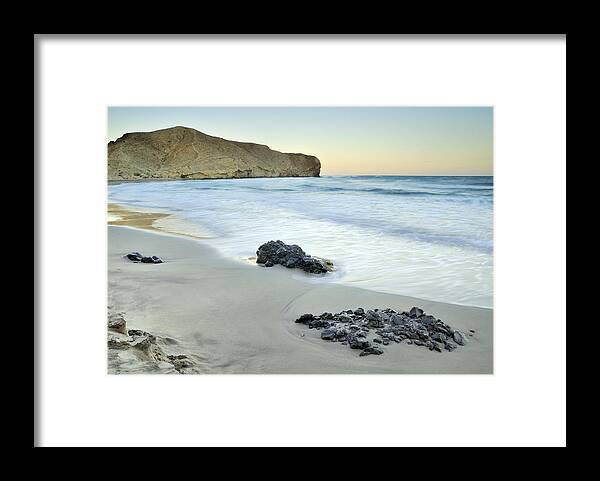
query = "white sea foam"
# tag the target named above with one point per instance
(428, 237)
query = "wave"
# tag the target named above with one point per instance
(428, 237)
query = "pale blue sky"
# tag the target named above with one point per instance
(347, 140)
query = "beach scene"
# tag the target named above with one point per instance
(325, 240)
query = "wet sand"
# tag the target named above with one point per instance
(235, 317)
(153, 221)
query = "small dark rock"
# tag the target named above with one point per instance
(459, 338)
(375, 318)
(305, 318)
(371, 350)
(318, 323)
(438, 336)
(357, 343)
(117, 323)
(344, 318)
(151, 260)
(328, 335)
(449, 346)
(135, 257)
(398, 319)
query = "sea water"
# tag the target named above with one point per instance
(427, 237)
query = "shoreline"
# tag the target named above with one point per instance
(165, 222)
(158, 222)
(233, 317)
(169, 179)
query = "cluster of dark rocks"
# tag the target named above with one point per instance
(290, 256)
(353, 327)
(137, 257)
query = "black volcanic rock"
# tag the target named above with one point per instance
(355, 328)
(137, 257)
(290, 256)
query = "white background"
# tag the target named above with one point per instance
(522, 403)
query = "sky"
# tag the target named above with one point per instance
(347, 140)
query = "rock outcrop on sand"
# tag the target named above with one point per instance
(353, 328)
(290, 256)
(131, 350)
(185, 153)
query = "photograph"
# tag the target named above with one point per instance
(300, 240)
(232, 228)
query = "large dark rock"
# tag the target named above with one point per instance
(290, 256)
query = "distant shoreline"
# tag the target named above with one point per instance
(171, 179)
(122, 181)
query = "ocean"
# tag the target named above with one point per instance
(427, 237)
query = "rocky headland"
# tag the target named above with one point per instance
(185, 153)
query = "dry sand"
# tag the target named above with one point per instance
(233, 317)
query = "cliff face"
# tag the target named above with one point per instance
(184, 153)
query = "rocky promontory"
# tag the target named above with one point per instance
(185, 153)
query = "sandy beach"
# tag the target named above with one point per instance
(233, 317)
